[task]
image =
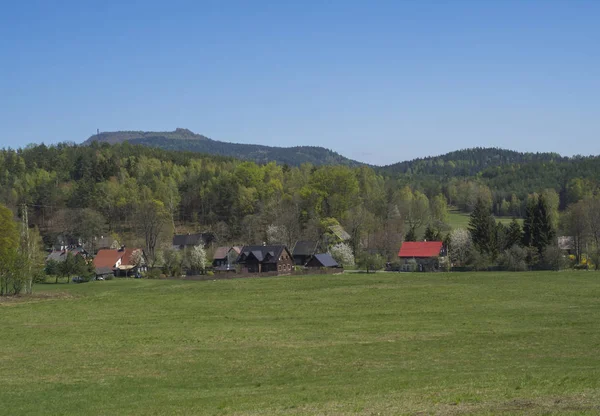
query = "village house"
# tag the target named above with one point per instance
(120, 262)
(263, 259)
(188, 241)
(303, 251)
(224, 259)
(60, 255)
(421, 255)
(323, 260)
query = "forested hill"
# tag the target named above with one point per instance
(185, 140)
(467, 162)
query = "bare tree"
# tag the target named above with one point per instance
(151, 217)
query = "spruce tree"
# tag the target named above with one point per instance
(483, 228)
(543, 233)
(430, 233)
(528, 222)
(514, 234)
(411, 235)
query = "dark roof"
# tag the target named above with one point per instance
(193, 239)
(61, 255)
(264, 254)
(104, 270)
(57, 255)
(304, 248)
(326, 260)
(105, 242)
(420, 249)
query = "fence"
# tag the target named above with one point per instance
(225, 276)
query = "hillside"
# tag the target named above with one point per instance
(186, 140)
(467, 162)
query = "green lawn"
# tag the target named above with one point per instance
(458, 219)
(460, 343)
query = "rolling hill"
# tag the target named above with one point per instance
(186, 140)
(468, 162)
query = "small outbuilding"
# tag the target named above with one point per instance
(322, 260)
(303, 251)
(224, 259)
(421, 255)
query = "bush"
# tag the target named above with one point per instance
(514, 259)
(553, 259)
(210, 273)
(153, 274)
(478, 261)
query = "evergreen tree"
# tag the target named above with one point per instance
(411, 235)
(543, 233)
(501, 237)
(482, 227)
(528, 222)
(429, 233)
(514, 234)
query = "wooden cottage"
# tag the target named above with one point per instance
(424, 253)
(263, 259)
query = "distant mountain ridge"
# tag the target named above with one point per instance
(186, 140)
(468, 162)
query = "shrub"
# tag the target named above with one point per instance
(153, 274)
(514, 259)
(478, 261)
(553, 259)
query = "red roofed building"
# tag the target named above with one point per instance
(121, 262)
(424, 254)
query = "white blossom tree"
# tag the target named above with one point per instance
(342, 253)
(276, 234)
(460, 246)
(198, 258)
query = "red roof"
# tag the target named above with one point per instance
(126, 260)
(107, 258)
(420, 249)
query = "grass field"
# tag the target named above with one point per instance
(458, 219)
(490, 343)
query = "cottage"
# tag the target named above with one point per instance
(322, 260)
(105, 242)
(424, 255)
(60, 255)
(225, 257)
(121, 262)
(183, 241)
(262, 259)
(303, 251)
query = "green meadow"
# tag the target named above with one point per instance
(457, 343)
(457, 219)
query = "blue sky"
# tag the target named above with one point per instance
(379, 81)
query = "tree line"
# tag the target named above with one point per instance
(143, 195)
